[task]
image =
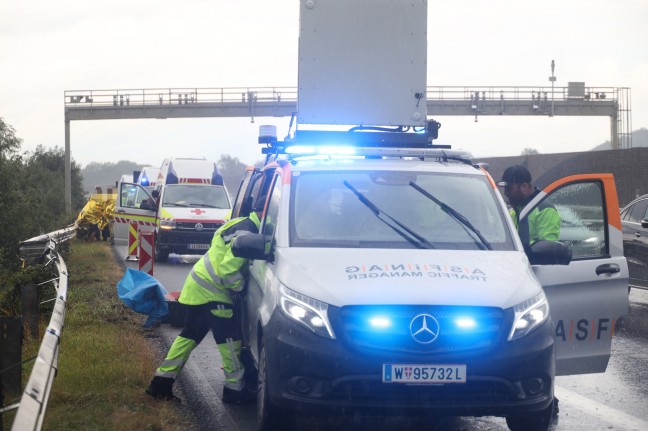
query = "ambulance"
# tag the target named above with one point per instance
(148, 177)
(193, 204)
(392, 278)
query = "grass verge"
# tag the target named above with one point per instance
(106, 360)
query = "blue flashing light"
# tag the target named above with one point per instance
(300, 149)
(145, 181)
(465, 322)
(380, 322)
(332, 150)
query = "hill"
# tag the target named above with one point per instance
(639, 139)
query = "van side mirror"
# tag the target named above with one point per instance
(549, 253)
(249, 246)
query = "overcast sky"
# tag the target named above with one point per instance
(48, 47)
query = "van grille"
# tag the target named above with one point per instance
(454, 333)
(192, 226)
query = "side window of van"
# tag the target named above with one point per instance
(582, 218)
(272, 214)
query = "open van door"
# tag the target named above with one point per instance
(588, 296)
(129, 208)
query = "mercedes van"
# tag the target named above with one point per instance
(394, 279)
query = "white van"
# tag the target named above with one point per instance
(394, 279)
(193, 204)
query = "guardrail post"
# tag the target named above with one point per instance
(10, 354)
(30, 301)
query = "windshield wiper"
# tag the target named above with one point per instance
(417, 241)
(176, 205)
(463, 221)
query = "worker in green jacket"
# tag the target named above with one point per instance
(543, 223)
(207, 295)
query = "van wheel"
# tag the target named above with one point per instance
(532, 421)
(161, 255)
(269, 416)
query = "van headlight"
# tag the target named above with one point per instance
(308, 311)
(529, 315)
(167, 224)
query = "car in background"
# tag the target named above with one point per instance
(634, 220)
(582, 230)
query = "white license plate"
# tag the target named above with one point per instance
(424, 373)
(199, 246)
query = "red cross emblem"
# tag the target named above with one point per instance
(198, 211)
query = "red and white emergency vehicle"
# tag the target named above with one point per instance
(193, 204)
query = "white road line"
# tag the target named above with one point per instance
(600, 411)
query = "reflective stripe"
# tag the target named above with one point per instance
(236, 234)
(170, 368)
(210, 269)
(212, 273)
(234, 378)
(170, 374)
(207, 285)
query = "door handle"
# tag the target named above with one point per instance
(607, 268)
(120, 211)
(637, 233)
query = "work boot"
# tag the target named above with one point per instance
(244, 396)
(161, 388)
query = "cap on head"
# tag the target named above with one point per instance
(516, 174)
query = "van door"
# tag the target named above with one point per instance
(588, 296)
(128, 209)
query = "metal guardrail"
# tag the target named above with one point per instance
(33, 403)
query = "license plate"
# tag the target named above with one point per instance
(424, 373)
(199, 246)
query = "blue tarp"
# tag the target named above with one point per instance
(144, 294)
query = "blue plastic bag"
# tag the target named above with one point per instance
(143, 294)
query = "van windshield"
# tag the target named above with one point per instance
(195, 195)
(325, 212)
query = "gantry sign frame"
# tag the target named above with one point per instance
(156, 103)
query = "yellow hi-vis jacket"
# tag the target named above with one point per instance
(218, 272)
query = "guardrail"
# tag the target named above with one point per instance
(33, 403)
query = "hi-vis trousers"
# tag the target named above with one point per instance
(226, 329)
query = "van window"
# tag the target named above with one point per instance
(582, 221)
(325, 211)
(195, 195)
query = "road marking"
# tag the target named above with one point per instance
(600, 411)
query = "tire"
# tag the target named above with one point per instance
(269, 416)
(532, 421)
(161, 255)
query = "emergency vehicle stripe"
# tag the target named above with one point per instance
(613, 215)
(194, 181)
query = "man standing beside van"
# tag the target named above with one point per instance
(543, 223)
(207, 295)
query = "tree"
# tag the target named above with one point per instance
(529, 151)
(232, 171)
(14, 209)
